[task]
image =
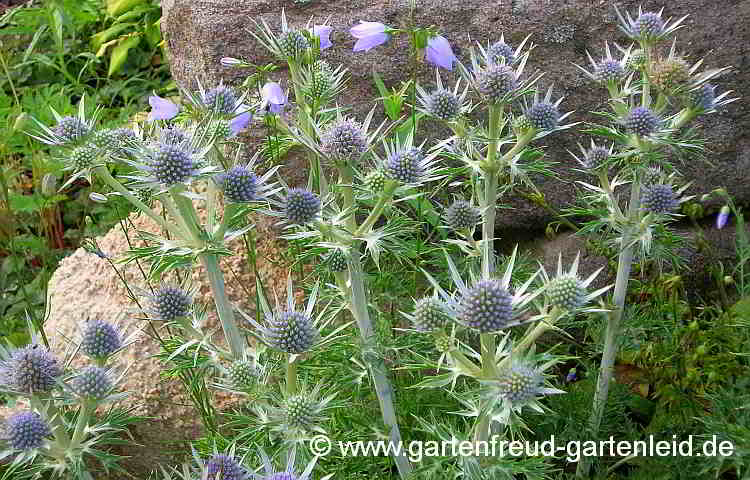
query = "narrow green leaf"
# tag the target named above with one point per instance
(120, 53)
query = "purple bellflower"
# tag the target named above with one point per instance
(323, 32)
(369, 35)
(440, 53)
(161, 108)
(242, 120)
(273, 96)
(723, 217)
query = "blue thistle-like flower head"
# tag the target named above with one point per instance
(344, 140)
(486, 307)
(462, 215)
(171, 164)
(170, 302)
(543, 115)
(292, 332)
(224, 467)
(92, 382)
(30, 370)
(566, 292)
(375, 180)
(609, 70)
(301, 206)
(659, 198)
(443, 104)
(405, 165)
(239, 183)
(521, 384)
(70, 129)
(642, 121)
(84, 157)
(26, 430)
(649, 24)
(496, 81)
(242, 374)
(336, 261)
(300, 411)
(293, 43)
(221, 99)
(596, 157)
(704, 97)
(429, 314)
(100, 339)
(499, 51)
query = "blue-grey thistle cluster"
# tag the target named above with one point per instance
(70, 129)
(596, 157)
(501, 50)
(293, 42)
(242, 374)
(405, 165)
(670, 73)
(321, 79)
(344, 140)
(92, 382)
(302, 206)
(487, 307)
(292, 332)
(170, 302)
(443, 104)
(543, 115)
(300, 411)
(566, 292)
(642, 121)
(26, 430)
(649, 24)
(84, 157)
(462, 215)
(429, 314)
(496, 81)
(239, 183)
(336, 261)
(114, 141)
(659, 198)
(31, 370)
(609, 70)
(173, 136)
(221, 99)
(375, 180)
(224, 467)
(100, 339)
(171, 164)
(704, 97)
(521, 384)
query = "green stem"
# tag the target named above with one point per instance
(291, 377)
(188, 214)
(471, 368)
(84, 414)
(223, 307)
(385, 196)
(55, 420)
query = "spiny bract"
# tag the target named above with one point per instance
(240, 184)
(224, 467)
(84, 157)
(642, 121)
(462, 215)
(344, 140)
(496, 81)
(500, 50)
(543, 116)
(487, 307)
(336, 261)
(100, 339)
(171, 302)
(405, 165)
(443, 104)
(173, 136)
(171, 164)
(429, 314)
(302, 206)
(242, 374)
(566, 292)
(292, 332)
(26, 430)
(221, 99)
(70, 129)
(31, 370)
(521, 384)
(300, 411)
(659, 198)
(92, 382)
(293, 42)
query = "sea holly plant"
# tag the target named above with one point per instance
(56, 427)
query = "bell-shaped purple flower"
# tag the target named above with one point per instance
(323, 32)
(161, 108)
(242, 120)
(273, 96)
(723, 217)
(369, 35)
(440, 53)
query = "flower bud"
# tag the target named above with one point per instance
(97, 197)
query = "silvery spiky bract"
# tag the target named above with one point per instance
(375, 181)
(221, 99)
(92, 382)
(659, 198)
(100, 339)
(224, 467)
(301, 206)
(84, 157)
(170, 302)
(30, 370)
(405, 165)
(609, 70)
(521, 383)
(566, 292)
(642, 121)
(293, 42)
(496, 81)
(292, 332)
(501, 50)
(462, 215)
(596, 157)
(283, 476)
(173, 136)
(171, 164)
(543, 115)
(669, 73)
(242, 374)
(336, 261)
(429, 314)
(486, 307)
(26, 430)
(704, 97)
(300, 411)
(70, 129)
(649, 23)
(443, 104)
(345, 139)
(239, 183)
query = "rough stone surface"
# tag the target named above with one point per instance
(200, 32)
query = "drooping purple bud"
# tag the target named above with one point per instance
(440, 53)
(369, 35)
(323, 32)
(273, 96)
(723, 217)
(241, 121)
(230, 62)
(162, 109)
